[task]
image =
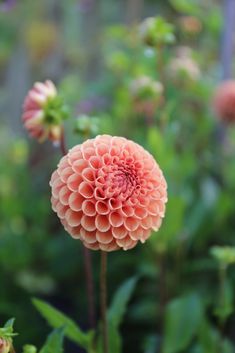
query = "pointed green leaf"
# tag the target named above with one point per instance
(183, 317)
(54, 342)
(57, 319)
(120, 301)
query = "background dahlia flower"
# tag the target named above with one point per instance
(224, 101)
(5, 345)
(109, 192)
(43, 112)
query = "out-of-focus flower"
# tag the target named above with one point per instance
(224, 254)
(147, 94)
(87, 126)
(190, 24)
(118, 61)
(109, 192)
(155, 31)
(41, 39)
(44, 112)
(224, 101)
(5, 345)
(183, 65)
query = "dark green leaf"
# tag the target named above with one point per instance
(183, 316)
(57, 319)
(54, 342)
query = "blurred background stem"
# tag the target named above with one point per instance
(103, 301)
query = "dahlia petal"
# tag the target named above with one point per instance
(73, 218)
(74, 182)
(102, 223)
(88, 175)
(101, 207)
(119, 232)
(131, 223)
(88, 207)
(65, 173)
(64, 194)
(86, 189)
(61, 210)
(88, 223)
(75, 201)
(75, 232)
(104, 237)
(89, 237)
(79, 165)
(115, 219)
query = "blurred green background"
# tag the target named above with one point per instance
(95, 52)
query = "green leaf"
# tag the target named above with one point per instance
(54, 342)
(57, 319)
(116, 313)
(120, 301)
(7, 331)
(183, 316)
(10, 323)
(188, 6)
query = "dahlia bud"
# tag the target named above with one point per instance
(44, 112)
(147, 94)
(5, 345)
(86, 125)
(109, 192)
(225, 255)
(29, 348)
(224, 101)
(156, 31)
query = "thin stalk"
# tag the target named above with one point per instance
(89, 286)
(222, 279)
(103, 301)
(87, 262)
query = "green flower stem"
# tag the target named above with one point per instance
(103, 301)
(222, 280)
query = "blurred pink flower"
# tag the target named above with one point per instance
(224, 101)
(5, 345)
(109, 192)
(39, 115)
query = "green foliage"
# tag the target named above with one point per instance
(57, 319)
(225, 255)
(183, 317)
(29, 348)
(7, 331)
(54, 342)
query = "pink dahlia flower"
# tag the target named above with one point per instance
(5, 345)
(224, 101)
(109, 192)
(43, 112)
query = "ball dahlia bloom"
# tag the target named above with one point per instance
(43, 112)
(224, 101)
(109, 192)
(5, 345)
